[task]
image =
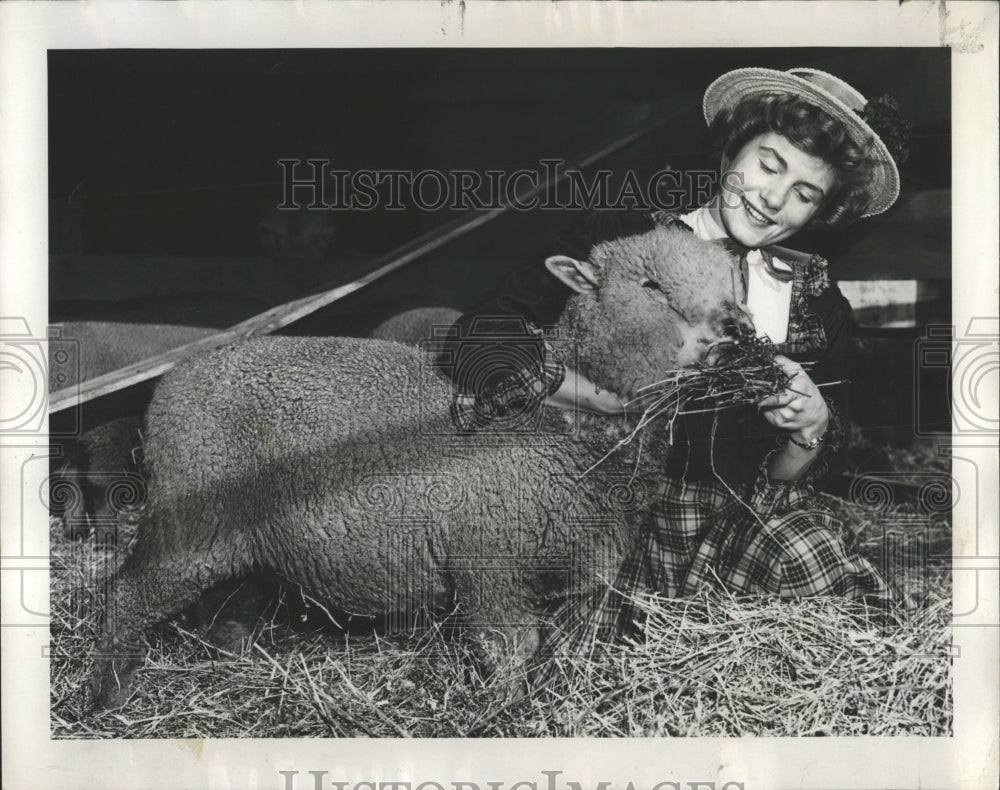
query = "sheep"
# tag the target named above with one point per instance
(96, 475)
(108, 345)
(421, 325)
(333, 462)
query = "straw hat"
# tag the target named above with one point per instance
(830, 94)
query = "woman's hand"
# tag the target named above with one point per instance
(800, 409)
(577, 391)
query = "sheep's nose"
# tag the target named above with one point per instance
(707, 343)
(696, 343)
(737, 321)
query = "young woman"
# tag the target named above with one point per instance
(737, 504)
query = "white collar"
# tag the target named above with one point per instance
(705, 226)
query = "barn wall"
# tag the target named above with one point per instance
(171, 153)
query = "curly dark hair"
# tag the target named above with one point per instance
(811, 130)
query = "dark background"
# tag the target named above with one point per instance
(174, 153)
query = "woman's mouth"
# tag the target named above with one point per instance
(756, 217)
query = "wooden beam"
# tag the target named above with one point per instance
(288, 313)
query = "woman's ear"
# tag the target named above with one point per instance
(581, 276)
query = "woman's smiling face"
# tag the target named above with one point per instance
(771, 190)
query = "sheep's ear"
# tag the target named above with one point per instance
(581, 276)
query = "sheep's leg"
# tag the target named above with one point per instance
(226, 614)
(504, 652)
(503, 644)
(70, 492)
(147, 590)
(111, 474)
(497, 620)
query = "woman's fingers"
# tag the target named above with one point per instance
(790, 398)
(782, 418)
(791, 411)
(799, 388)
(771, 401)
(799, 406)
(790, 367)
(784, 415)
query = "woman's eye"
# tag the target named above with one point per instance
(767, 169)
(805, 198)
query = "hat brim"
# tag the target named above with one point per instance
(729, 89)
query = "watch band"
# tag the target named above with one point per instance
(812, 444)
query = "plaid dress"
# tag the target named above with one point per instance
(717, 519)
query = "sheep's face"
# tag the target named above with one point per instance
(646, 305)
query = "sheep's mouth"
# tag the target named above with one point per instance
(718, 350)
(734, 321)
(633, 391)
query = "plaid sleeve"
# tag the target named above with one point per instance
(772, 498)
(515, 395)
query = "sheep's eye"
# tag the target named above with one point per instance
(652, 284)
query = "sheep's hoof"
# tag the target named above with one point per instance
(77, 524)
(229, 636)
(104, 530)
(106, 534)
(228, 613)
(111, 685)
(76, 528)
(504, 654)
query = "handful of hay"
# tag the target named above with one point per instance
(735, 373)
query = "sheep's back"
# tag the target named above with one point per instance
(305, 444)
(268, 397)
(105, 346)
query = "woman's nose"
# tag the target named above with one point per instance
(771, 196)
(774, 193)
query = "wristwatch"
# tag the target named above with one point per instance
(812, 444)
